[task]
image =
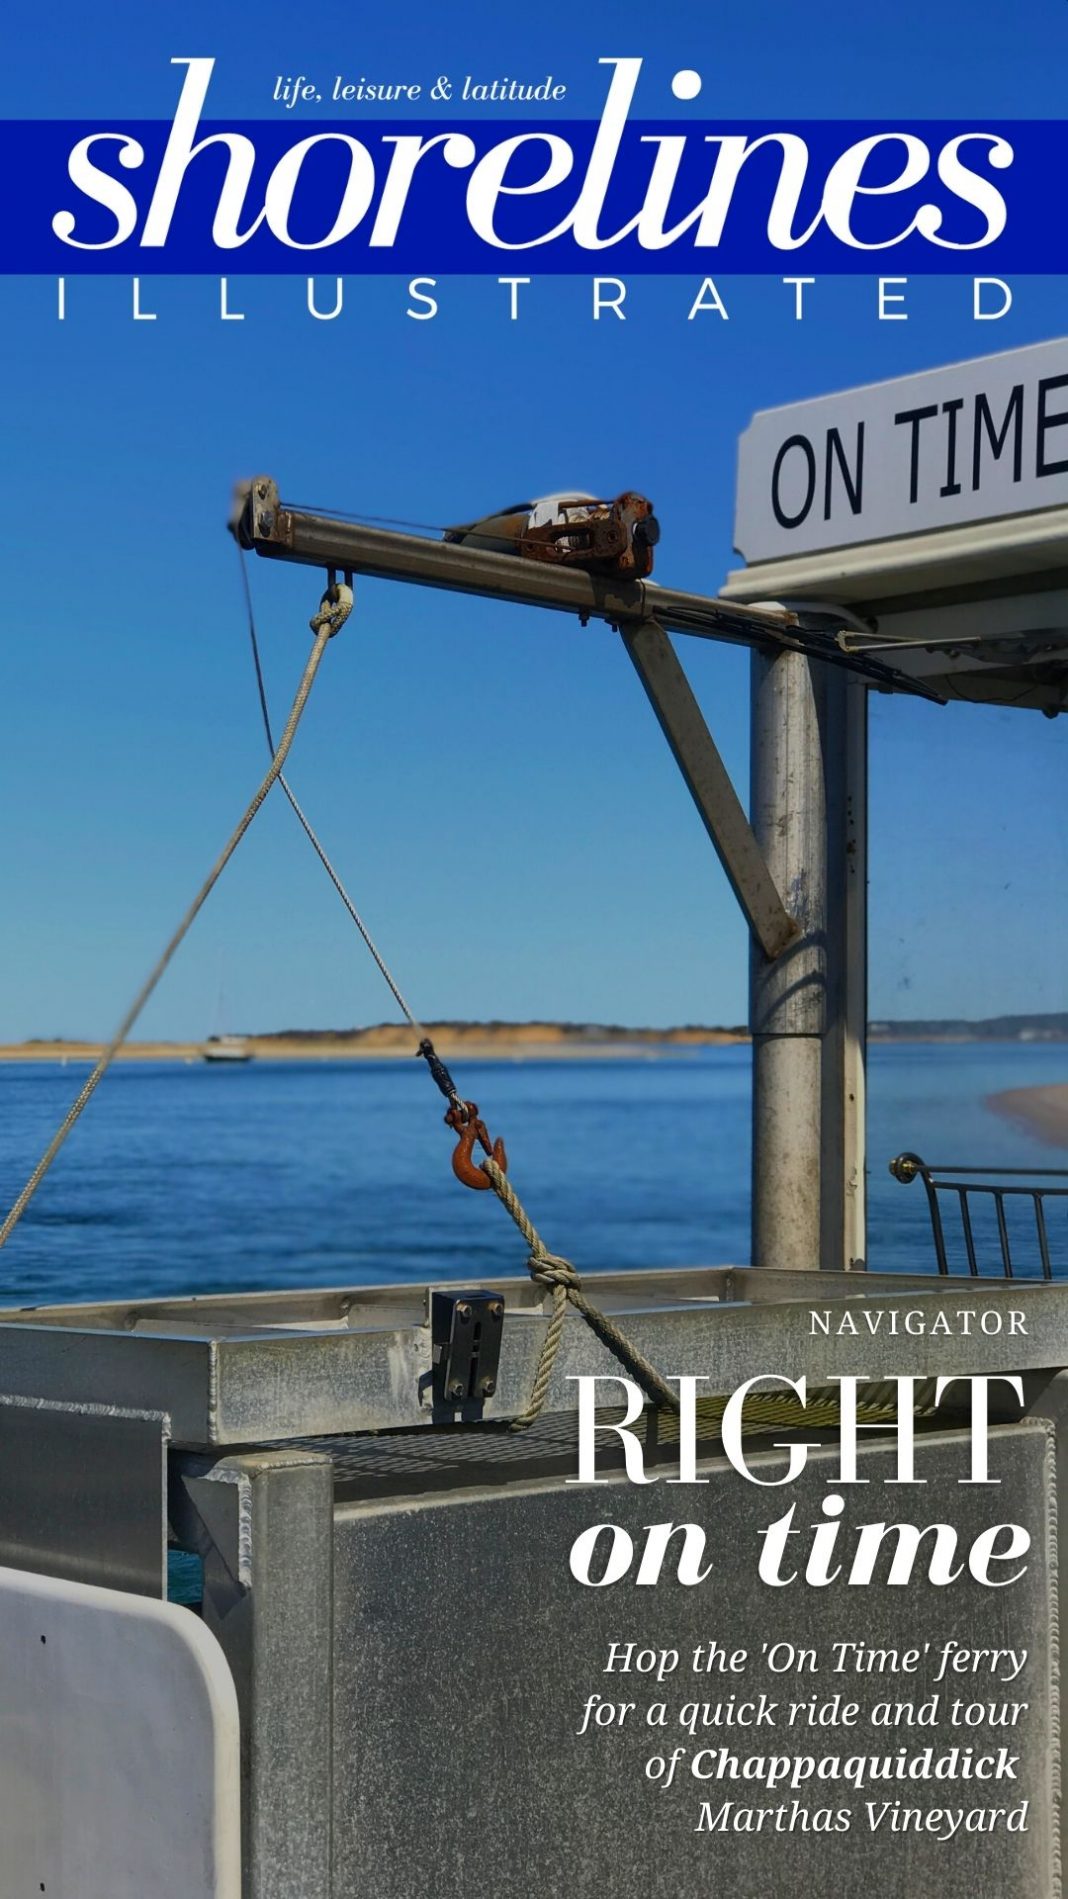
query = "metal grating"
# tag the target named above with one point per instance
(459, 1457)
(448, 1457)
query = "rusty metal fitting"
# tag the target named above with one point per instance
(465, 1121)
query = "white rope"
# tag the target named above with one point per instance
(305, 822)
(557, 1275)
(333, 612)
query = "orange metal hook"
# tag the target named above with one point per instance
(470, 1129)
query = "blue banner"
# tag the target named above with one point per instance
(523, 198)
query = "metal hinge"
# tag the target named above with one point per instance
(466, 1330)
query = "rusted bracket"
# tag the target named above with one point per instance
(683, 725)
(278, 530)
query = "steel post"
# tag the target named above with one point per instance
(788, 997)
(845, 765)
(808, 1008)
(263, 1524)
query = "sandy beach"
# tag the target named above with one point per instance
(504, 1042)
(1040, 1111)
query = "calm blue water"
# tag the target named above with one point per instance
(196, 1179)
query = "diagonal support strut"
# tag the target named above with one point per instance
(683, 725)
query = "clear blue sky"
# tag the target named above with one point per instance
(490, 781)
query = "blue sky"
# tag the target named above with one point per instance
(491, 782)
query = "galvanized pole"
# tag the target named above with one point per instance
(788, 997)
(845, 762)
(808, 1008)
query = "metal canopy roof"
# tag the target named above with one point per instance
(934, 509)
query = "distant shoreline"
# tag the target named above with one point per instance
(545, 1041)
(501, 1048)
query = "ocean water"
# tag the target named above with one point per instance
(188, 1178)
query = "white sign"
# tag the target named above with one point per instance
(966, 443)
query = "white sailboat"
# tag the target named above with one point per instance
(221, 1047)
(226, 1048)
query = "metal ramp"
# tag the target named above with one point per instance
(390, 1586)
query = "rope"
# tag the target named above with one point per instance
(331, 617)
(547, 1269)
(561, 1278)
(305, 822)
(426, 1047)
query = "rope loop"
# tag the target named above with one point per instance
(334, 609)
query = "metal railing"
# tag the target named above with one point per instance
(995, 1208)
